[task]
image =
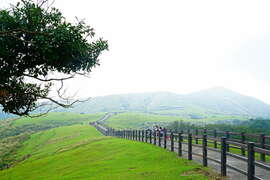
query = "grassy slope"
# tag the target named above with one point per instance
(80, 152)
(14, 132)
(143, 120)
(137, 120)
(59, 117)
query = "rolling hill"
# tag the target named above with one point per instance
(214, 101)
(78, 151)
(211, 103)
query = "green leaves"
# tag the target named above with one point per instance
(36, 41)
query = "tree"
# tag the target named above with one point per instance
(36, 41)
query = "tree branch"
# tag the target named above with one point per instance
(52, 79)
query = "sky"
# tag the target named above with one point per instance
(176, 45)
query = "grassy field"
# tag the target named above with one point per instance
(80, 152)
(145, 120)
(15, 131)
(58, 117)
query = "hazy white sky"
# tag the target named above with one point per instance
(176, 45)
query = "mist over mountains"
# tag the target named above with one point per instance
(213, 101)
(216, 100)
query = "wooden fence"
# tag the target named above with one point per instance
(207, 141)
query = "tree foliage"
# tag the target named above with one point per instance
(37, 41)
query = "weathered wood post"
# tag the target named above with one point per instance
(189, 146)
(172, 142)
(179, 144)
(227, 138)
(150, 135)
(251, 161)
(204, 150)
(262, 144)
(155, 137)
(223, 157)
(215, 136)
(196, 133)
(159, 139)
(243, 139)
(146, 136)
(165, 138)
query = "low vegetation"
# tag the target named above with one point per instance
(146, 120)
(14, 132)
(81, 152)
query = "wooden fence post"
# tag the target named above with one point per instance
(227, 138)
(159, 139)
(142, 135)
(262, 142)
(172, 142)
(196, 133)
(243, 139)
(223, 157)
(204, 150)
(251, 161)
(150, 134)
(189, 146)
(146, 136)
(215, 136)
(179, 144)
(155, 137)
(139, 132)
(165, 138)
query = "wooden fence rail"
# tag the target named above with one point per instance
(174, 141)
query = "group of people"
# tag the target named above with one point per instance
(159, 131)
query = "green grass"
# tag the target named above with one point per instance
(134, 120)
(15, 131)
(137, 120)
(58, 117)
(80, 152)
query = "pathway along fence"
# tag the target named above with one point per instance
(223, 145)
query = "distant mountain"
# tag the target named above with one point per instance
(216, 100)
(211, 102)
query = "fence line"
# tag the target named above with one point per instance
(222, 145)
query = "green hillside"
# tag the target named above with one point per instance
(146, 120)
(14, 132)
(80, 152)
(211, 102)
(215, 103)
